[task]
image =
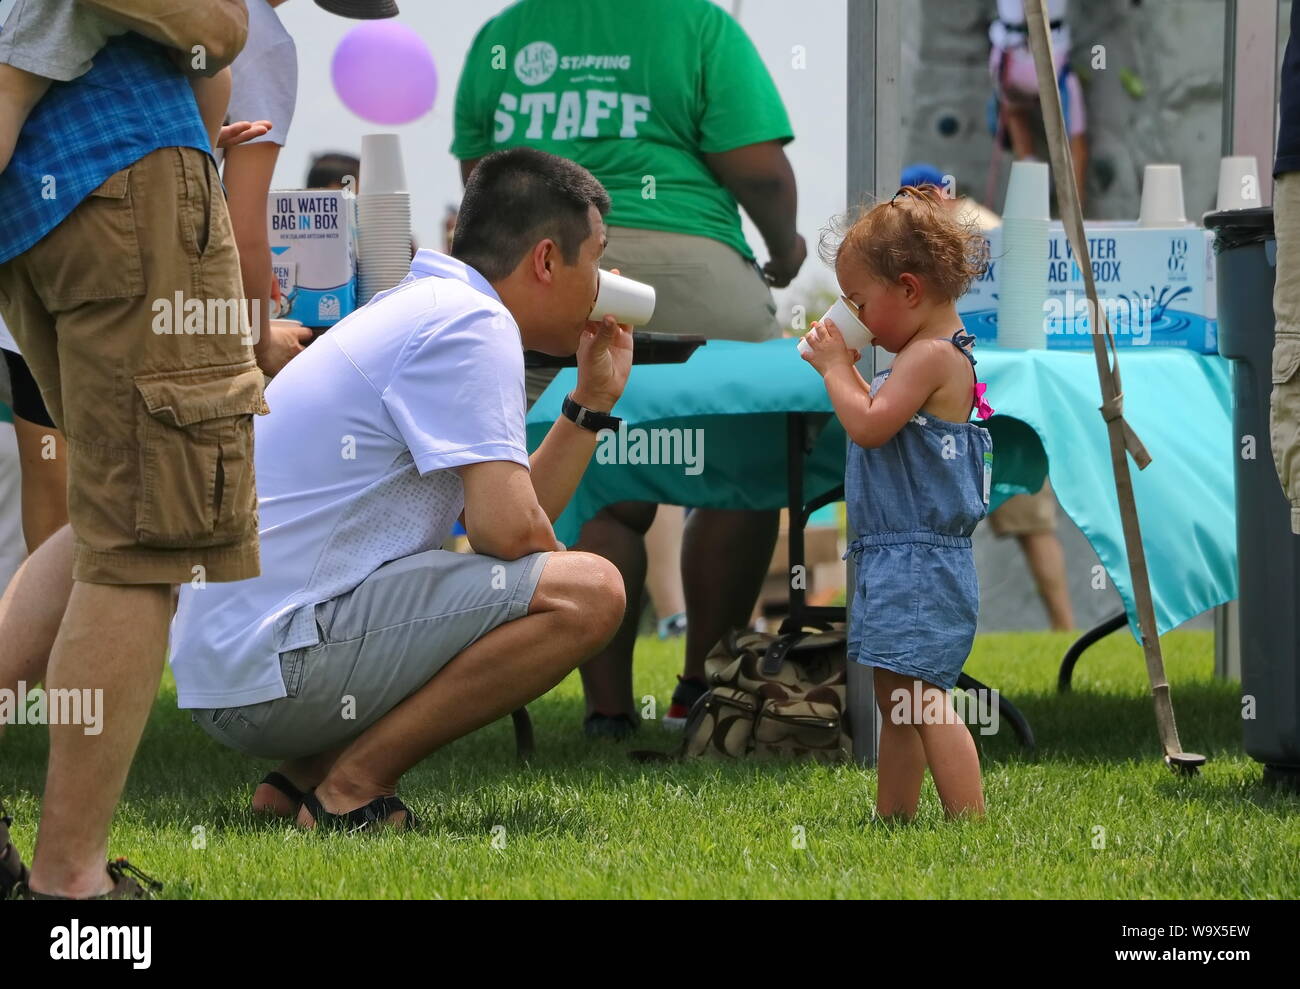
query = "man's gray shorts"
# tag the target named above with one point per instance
(380, 643)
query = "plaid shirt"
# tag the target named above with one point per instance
(133, 101)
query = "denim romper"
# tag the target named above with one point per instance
(912, 505)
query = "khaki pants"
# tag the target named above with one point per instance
(1026, 514)
(114, 312)
(702, 288)
(1284, 431)
(379, 644)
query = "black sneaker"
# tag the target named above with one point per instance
(617, 726)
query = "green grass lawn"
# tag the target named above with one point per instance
(584, 821)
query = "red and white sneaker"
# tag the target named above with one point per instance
(684, 698)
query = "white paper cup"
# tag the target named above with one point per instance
(626, 300)
(381, 163)
(1027, 192)
(1238, 183)
(852, 329)
(1162, 197)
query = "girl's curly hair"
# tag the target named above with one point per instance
(912, 232)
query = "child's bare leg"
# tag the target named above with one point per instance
(212, 94)
(20, 91)
(950, 752)
(900, 768)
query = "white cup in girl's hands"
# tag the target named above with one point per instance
(628, 301)
(855, 333)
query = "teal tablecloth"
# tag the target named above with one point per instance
(736, 396)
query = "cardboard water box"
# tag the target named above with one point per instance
(1155, 285)
(313, 254)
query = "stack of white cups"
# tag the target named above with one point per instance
(1022, 279)
(383, 217)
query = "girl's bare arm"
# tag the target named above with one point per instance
(871, 422)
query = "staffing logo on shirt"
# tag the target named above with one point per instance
(536, 63)
(583, 111)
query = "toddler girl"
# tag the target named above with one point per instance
(916, 483)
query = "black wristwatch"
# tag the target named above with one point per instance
(582, 416)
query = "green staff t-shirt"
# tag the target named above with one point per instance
(633, 92)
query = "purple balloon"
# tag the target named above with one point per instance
(383, 71)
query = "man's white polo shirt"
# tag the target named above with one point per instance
(353, 469)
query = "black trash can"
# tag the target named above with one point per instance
(1268, 554)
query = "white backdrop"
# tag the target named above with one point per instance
(814, 97)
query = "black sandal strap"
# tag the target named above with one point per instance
(285, 785)
(388, 806)
(364, 818)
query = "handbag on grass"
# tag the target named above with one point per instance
(772, 696)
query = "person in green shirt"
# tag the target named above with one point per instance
(670, 106)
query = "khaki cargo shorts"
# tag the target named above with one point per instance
(703, 287)
(129, 314)
(1026, 514)
(1284, 424)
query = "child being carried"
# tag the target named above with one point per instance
(45, 41)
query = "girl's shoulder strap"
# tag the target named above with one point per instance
(962, 340)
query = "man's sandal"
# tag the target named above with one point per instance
(371, 817)
(125, 887)
(12, 871)
(282, 783)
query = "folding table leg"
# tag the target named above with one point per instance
(1007, 710)
(1113, 624)
(523, 733)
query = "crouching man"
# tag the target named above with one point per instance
(363, 647)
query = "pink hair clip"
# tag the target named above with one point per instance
(982, 407)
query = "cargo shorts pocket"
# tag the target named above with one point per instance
(1284, 426)
(196, 456)
(94, 254)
